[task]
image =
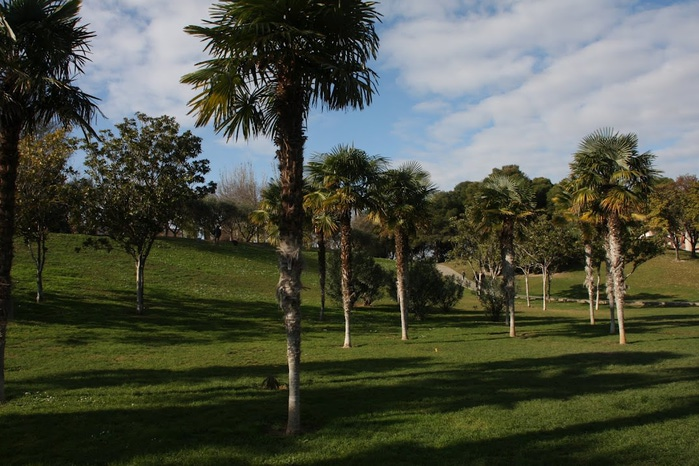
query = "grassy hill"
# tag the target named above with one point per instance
(91, 382)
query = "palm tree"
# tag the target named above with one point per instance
(43, 48)
(271, 60)
(506, 198)
(611, 179)
(349, 175)
(324, 225)
(402, 200)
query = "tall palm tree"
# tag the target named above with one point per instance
(42, 51)
(349, 175)
(611, 179)
(402, 200)
(271, 60)
(506, 198)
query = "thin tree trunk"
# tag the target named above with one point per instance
(140, 269)
(9, 140)
(590, 280)
(526, 286)
(322, 271)
(617, 265)
(40, 262)
(544, 281)
(402, 282)
(39, 258)
(346, 266)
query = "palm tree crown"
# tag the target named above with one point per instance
(259, 46)
(609, 176)
(39, 63)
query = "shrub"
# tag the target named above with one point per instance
(427, 287)
(492, 298)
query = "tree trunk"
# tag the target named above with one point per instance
(526, 286)
(140, 269)
(9, 140)
(290, 105)
(544, 281)
(590, 280)
(508, 271)
(346, 266)
(402, 281)
(40, 261)
(616, 259)
(322, 271)
(609, 288)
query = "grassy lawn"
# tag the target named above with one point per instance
(91, 382)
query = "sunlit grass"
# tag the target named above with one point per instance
(91, 382)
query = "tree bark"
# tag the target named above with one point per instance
(402, 281)
(590, 280)
(9, 140)
(508, 271)
(544, 281)
(346, 266)
(616, 259)
(290, 105)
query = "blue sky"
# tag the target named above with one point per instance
(465, 85)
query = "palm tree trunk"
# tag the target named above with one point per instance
(290, 140)
(9, 140)
(609, 288)
(616, 259)
(346, 265)
(508, 271)
(402, 281)
(590, 280)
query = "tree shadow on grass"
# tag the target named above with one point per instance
(167, 320)
(219, 410)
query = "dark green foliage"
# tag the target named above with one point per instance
(428, 288)
(452, 292)
(368, 278)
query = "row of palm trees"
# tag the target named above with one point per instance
(348, 180)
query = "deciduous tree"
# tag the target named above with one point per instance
(140, 177)
(42, 192)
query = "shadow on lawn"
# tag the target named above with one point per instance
(218, 410)
(167, 320)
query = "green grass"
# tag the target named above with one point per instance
(90, 382)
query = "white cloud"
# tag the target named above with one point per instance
(467, 85)
(528, 79)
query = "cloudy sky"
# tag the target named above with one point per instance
(465, 85)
